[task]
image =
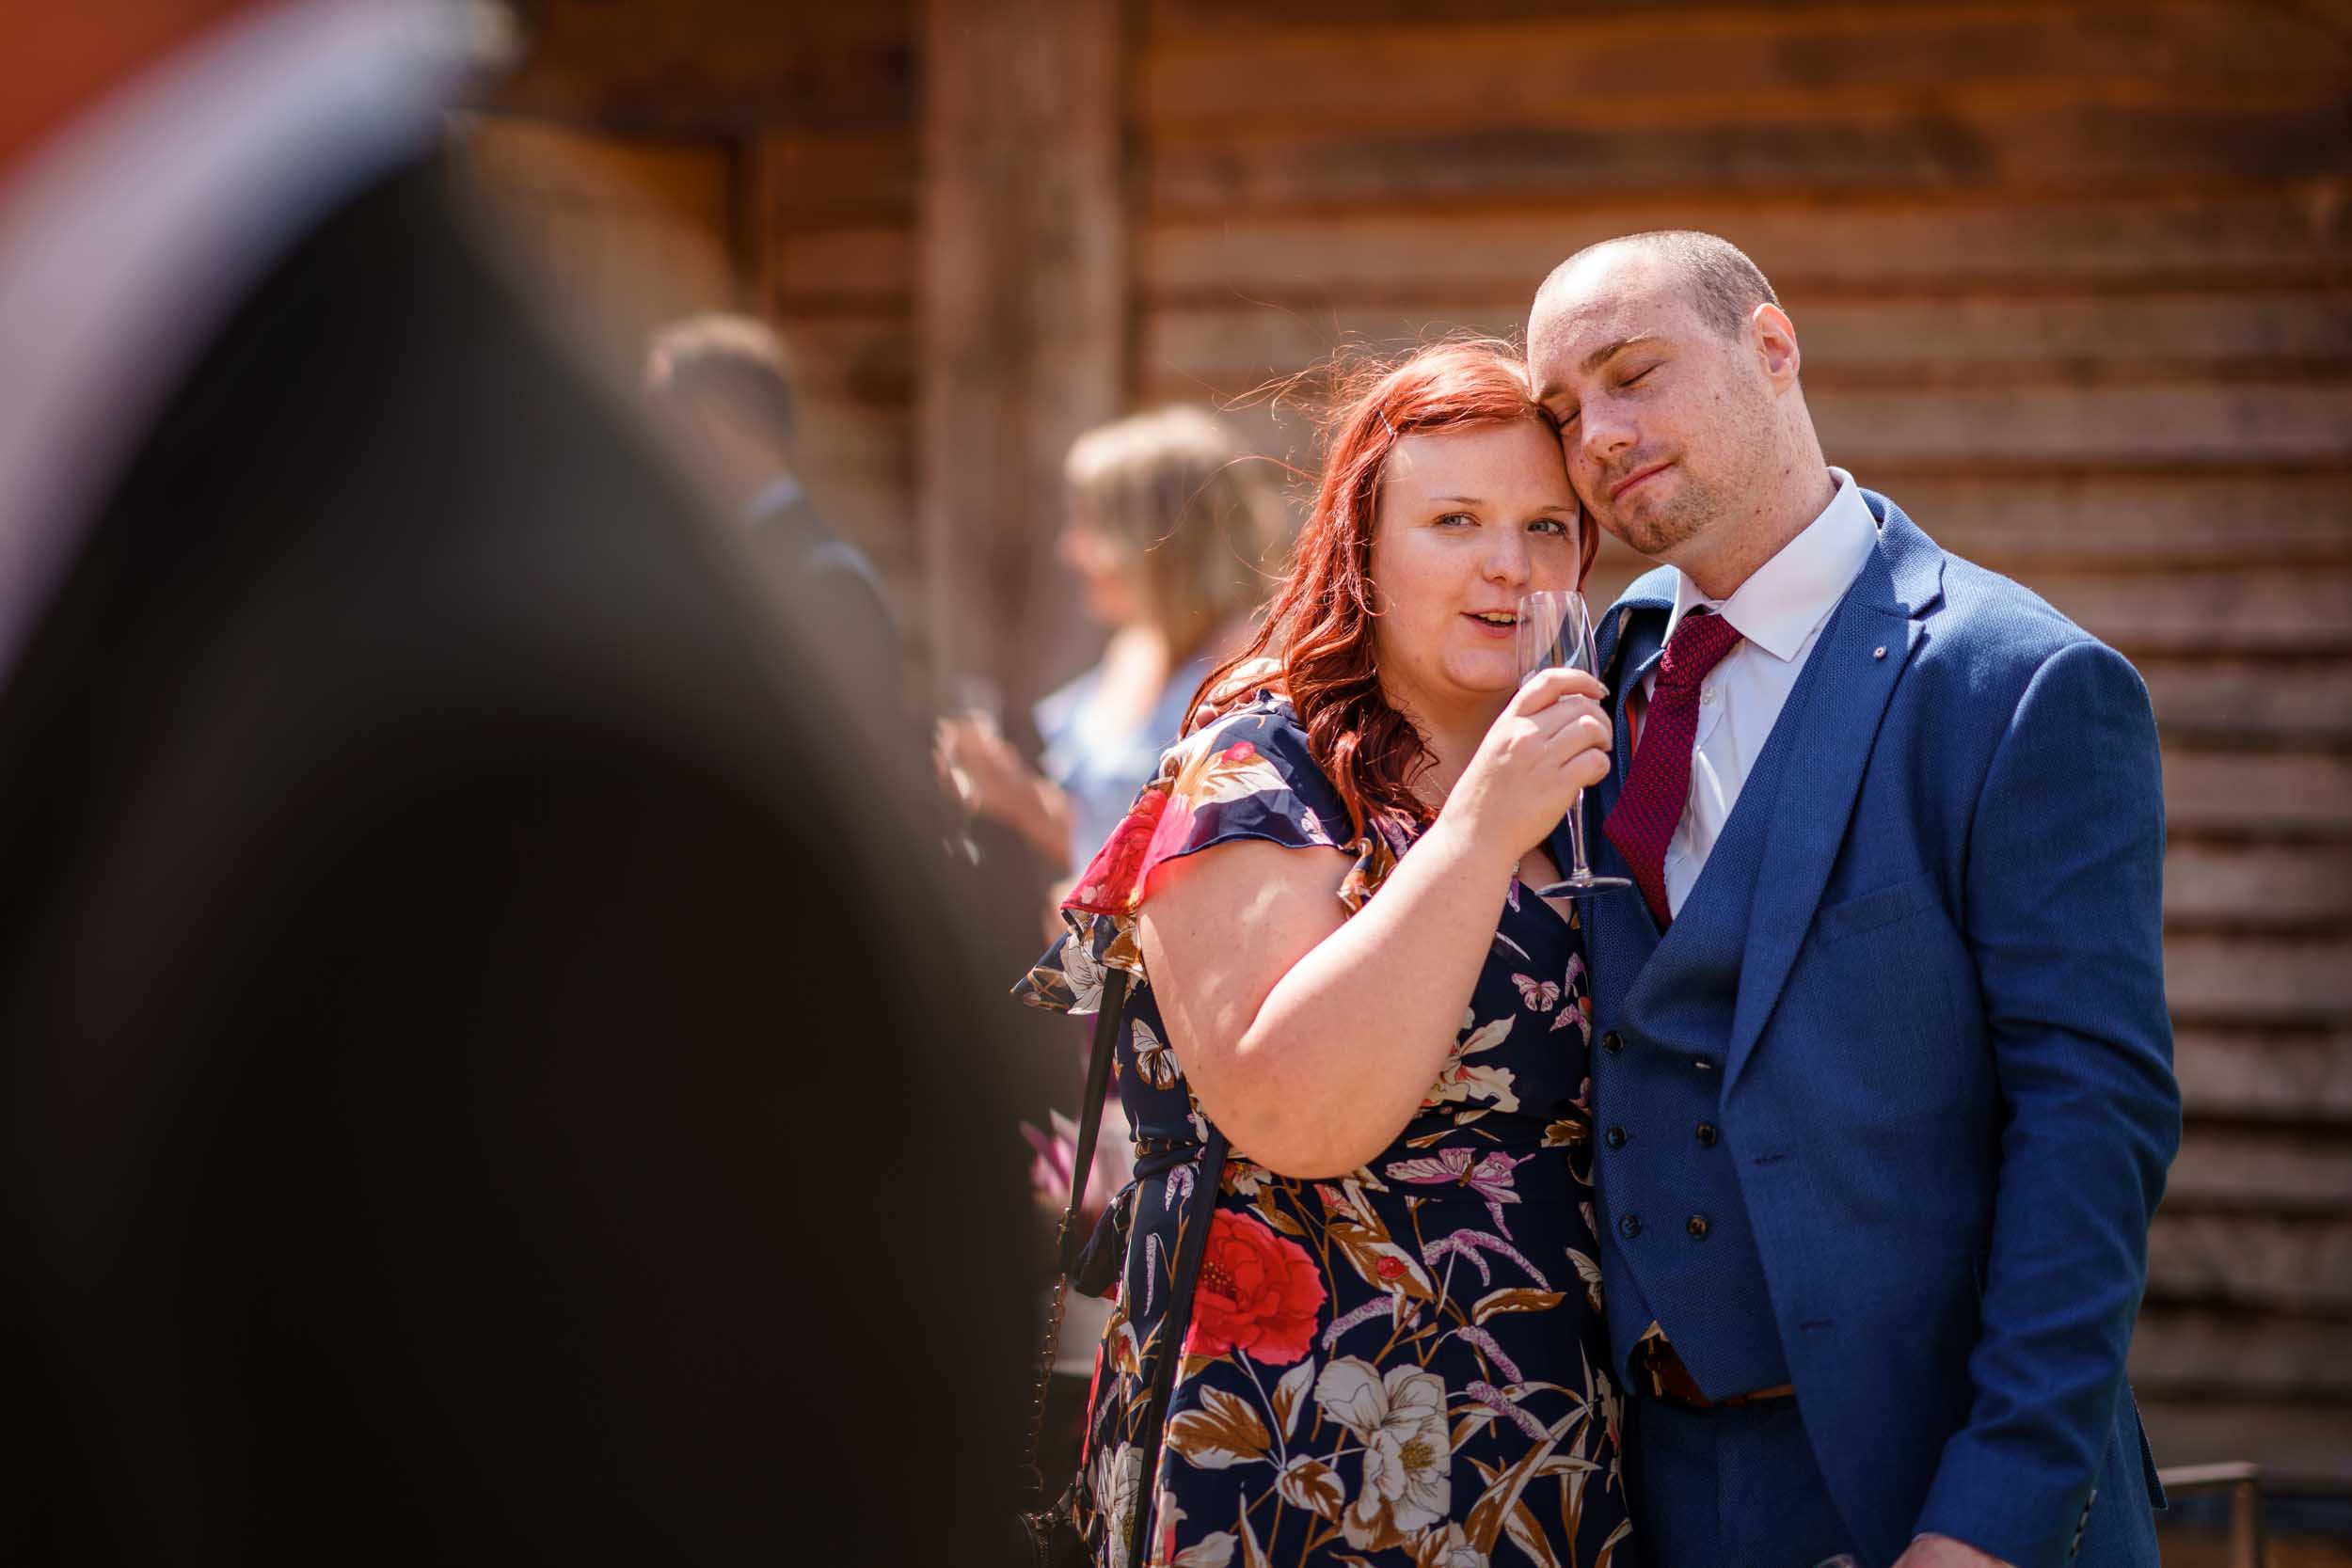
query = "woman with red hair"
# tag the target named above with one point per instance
(1336, 965)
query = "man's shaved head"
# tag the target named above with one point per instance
(1671, 372)
(1722, 284)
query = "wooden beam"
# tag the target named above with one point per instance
(1528, 72)
(1020, 287)
(2065, 147)
(2253, 234)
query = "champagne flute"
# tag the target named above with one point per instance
(1556, 628)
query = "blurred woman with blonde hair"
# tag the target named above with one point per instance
(1173, 530)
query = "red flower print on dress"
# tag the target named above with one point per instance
(1109, 881)
(1258, 1294)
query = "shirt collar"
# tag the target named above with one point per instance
(1787, 598)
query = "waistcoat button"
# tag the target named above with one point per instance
(1611, 1043)
(1697, 1228)
(1615, 1137)
(1630, 1226)
(1707, 1134)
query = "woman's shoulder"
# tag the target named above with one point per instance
(1260, 749)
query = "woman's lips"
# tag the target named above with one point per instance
(1644, 476)
(1494, 629)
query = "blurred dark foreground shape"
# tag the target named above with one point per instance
(458, 947)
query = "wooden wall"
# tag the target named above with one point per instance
(2075, 284)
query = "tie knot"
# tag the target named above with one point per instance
(1698, 644)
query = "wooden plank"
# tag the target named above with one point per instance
(2202, 1539)
(1534, 72)
(841, 266)
(849, 434)
(2064, 147)
(805, 174)
(866, 354)
(1176, 18)
(717, 63)
(2190, 1351)
(2286, 1263)
(2302, 888)
(2301, 702)
(2189, 423)
(2265, 1074)
(1022, 314)
(2176, 521)
(2040, 430)
(1810, 249)
(1996, 340)
(2270, 1169)
(2275, 328)
(2299, 981)
(2225, 795)
(2292, 1442)
(2305, 612)
(1241, 343)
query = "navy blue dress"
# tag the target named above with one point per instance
(1405, 1367)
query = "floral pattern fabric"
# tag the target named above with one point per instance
(1402, 1367)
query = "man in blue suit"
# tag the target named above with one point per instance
(1884, 1090)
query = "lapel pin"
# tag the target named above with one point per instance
(1878, 653)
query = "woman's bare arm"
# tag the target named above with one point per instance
(1311, 1039)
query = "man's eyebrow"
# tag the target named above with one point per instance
(1607, 352)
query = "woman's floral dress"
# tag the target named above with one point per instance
(1402, 1366)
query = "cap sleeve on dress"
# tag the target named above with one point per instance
(1248, 775)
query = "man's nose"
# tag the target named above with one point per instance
(1604, 433)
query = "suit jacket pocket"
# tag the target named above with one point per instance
(1872, 910)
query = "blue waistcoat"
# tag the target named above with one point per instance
(1679, 1232)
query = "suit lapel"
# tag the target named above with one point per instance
(1835, 709)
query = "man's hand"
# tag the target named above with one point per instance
(1246, 678)
(1942, 1551)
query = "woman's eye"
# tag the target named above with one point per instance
(1451, 519)
(1551, 524)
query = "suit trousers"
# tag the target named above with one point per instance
(1734, 1488)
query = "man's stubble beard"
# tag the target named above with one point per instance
(1657, 533)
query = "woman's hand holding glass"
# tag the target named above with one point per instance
(1551, 743)
(1555, 631)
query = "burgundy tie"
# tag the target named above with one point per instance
(1658, 786)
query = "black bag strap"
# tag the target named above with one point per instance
(1066, 1243)
(1200, 1211)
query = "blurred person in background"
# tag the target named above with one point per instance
(436, 889)
(1323, 905)
(1172, 531)
(721, 385)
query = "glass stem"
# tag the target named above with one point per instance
(1576, 839)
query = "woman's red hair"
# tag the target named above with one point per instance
(1322, 616)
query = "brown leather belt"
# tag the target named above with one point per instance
(1656, 1362)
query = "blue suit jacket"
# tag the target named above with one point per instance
(1948, 1087)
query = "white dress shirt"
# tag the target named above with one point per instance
(131, 230)
(1779, 612)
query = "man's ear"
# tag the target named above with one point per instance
(1775, 338)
